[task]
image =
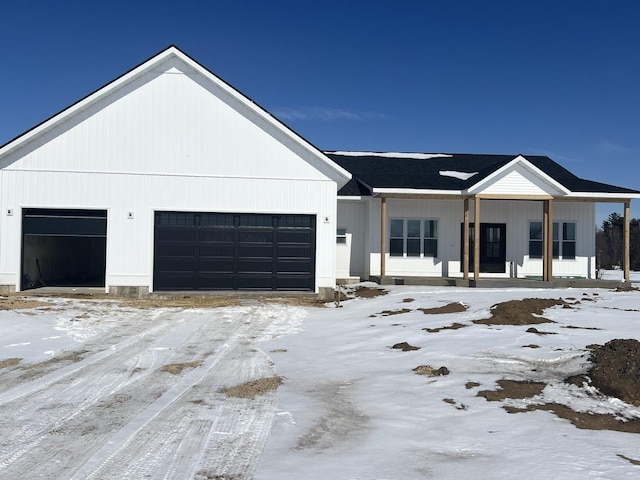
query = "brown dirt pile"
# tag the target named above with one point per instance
(405, 347)
(177, 368)
(386, 313)
(254, 388)
(453, 326)
(366, 292)
(20, 303)
(616, 369)
(9, 362)
(430, 371)
(513, 389)
(584, 420)
(456, 307)
(527, 311)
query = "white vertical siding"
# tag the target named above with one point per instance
(515, 214)
(167, 141)
(353, 215)
(518, 179)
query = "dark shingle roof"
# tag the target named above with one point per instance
(423, 172)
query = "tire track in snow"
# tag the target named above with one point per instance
(193, 428)
(45, 405)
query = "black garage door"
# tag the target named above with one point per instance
(223, 251)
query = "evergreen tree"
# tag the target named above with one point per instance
(610, 243)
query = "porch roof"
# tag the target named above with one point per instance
(452, 173)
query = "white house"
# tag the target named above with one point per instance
(167, 178)
(170, 179)
(535, 219)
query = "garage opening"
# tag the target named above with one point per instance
(63, 247)
(226, 251)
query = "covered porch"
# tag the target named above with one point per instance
(483, 254)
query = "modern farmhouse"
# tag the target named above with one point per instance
(169, 179)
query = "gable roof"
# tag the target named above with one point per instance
(375, 172)
(320, 160)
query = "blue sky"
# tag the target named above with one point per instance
(558, 78)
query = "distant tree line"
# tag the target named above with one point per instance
(610, 243)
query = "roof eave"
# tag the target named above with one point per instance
(603, 195)
(415, 191)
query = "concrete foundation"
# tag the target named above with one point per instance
(129, 292)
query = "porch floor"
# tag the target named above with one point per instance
(498, 282)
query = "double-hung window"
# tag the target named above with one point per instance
(413, 237)
(564, 240)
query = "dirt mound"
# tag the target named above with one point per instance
(251, 389)
(368, 292)
(616, 369)
(449, 308)
(405, 347)
(429, 371)
(521, 312)
(453, 326)
(20, 303)
(513, 389)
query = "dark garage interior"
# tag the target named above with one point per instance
(63, 248)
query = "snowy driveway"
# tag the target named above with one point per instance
(135, 393)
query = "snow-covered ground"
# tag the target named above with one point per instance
(90, 399)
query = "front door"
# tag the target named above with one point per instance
(493, 247)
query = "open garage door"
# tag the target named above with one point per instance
(63, 247)
(224, 251)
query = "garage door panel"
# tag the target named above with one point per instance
(294, 266)
(176, 249)
(286, 251)
(216, 235)
(255, 265)
(255, 250)
(176, 234)
(254, 282)
(295, 236)
(234, 251)
(293, 282)
(216, 250)
(177, 280)
(216, 265)
(255, 236)
(213, 282)
(175, 264)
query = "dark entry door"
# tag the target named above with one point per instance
(227, 251)
(493, 247)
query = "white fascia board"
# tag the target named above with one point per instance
(528, 165)
(608, 196)
(416, 191)
(349, 198)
